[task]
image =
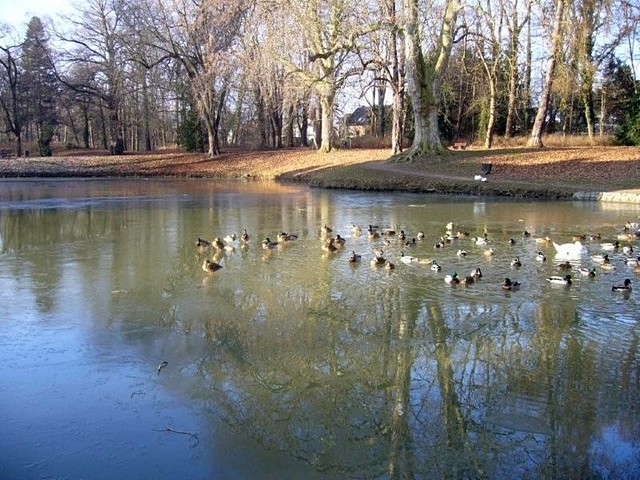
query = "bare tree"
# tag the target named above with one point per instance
(425, 74)
(535, 140)
(10, 94)
(200, 35)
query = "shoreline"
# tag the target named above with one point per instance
(602, 174)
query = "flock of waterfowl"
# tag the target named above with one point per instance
(568, 256)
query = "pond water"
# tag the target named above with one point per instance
(294, 363)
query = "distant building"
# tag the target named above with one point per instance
(358, 122)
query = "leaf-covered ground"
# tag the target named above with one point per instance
(549, 172)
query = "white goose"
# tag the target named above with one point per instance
(569, 251)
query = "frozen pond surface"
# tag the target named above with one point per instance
(294, 363)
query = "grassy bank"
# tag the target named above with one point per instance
(550, 173)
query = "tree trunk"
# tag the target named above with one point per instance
(326, 104)
(488, 140)
(424, 78)
(536, 133)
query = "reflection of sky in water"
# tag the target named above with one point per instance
(614, 456)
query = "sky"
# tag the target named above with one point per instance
(19, 12)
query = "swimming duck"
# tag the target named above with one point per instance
(566, 280)
(245, 236)
(452, 279)
(588, 272)
(509, 284)
(230, 238)
(526, 234)
(543, 240)
(377, 261)
(202, 243)
(581, 237)
(462, 234)
(287, 237)
(541, 257)
(516, 262)
(600, 258)
(489, 253)
(435, 266)
(356, 229)
(388, 232)
(410, 243)
(632, 262)
(481, 240)
(210, 267)
(402, 236)
(373, 234)
(569, 251)
(378, 252)
(330, 245)
(439, 244)
(626, 287)
(627, 250)
(267, 244)
(408, 259)
(388, 265)
(339, 241)
(420, 235)
(564, 266)
(461, 253)
(512, 241)
(217, 244)
(449, 226)
(354, 257)
(610, 246)
(476, 272)
(326, 229)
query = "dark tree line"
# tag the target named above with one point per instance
(141, 75)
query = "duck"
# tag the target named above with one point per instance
(439, 244)
(330, 245)
(512, 241)
(267, 244)
(627, 250)
(632, 262)
(339, 241)
(588, 272)
(600, 258)
(402, 236)
(559, 280)
(202, 243)
(461, 253)
(287, 237)
(230, 238)
(452, 279)
(420, 235)
(356, 229)
(245, 236)
(388, 265)
(410, 243)
(377, 261)
(543, 240)
(481, 240)
(388, 232)
(573, 250)
(217, 244)
(378, 252)
(509, 284)
(210, 267)
(516, 262)
(581, 237)
(476, 273)
(354, 257)
(526, 234)
(449, 226)
(435, 267)
(625, 287)
(489, 253)
(541, 257)
(372, 234)
(610, 246)
(408, 259)
(564, 266)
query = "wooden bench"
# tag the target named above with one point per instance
(460, 146)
